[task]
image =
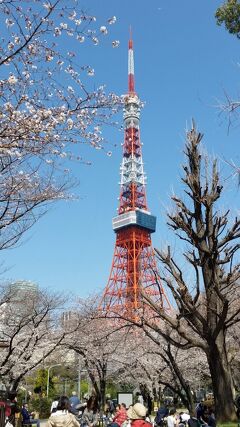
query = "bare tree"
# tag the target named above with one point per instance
(48, 108)
(207, 301)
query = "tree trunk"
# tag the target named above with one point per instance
(13, 385)
(102, 393)
(221, 382)
(189, 398)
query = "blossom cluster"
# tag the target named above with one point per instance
(49, 107)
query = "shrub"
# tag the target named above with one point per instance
(41, 405)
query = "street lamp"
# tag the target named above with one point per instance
(48, 375)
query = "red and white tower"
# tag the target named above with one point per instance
(134, 265)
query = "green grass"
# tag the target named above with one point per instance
(230, 424)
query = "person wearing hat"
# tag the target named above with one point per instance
(137, 414)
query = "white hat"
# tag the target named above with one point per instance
(137, 411)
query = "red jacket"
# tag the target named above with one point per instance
(7, 408)
(120, 416)
(140, 423)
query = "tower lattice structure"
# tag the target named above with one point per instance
(134, 267)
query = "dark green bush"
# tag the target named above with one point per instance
(41, 405)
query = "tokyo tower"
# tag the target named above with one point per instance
(134, 266)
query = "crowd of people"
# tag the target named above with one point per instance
(203, 416)
(70, 412)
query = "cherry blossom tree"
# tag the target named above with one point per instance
(48, 108)
(233, 343)
(151, 363)
(111, 350)
(101, 345)
(97, 347)
(31, 329)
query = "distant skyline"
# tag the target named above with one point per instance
(184, 63)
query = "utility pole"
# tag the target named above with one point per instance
(48, 376)
(79, 379)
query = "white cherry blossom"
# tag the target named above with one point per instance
(80, 38)
(103, 29)
(48, 107)
(95, 40)
(12, 79)
(115, 43)
(112, 20)
(9, 22)
(91, 72)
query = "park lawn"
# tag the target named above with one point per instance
(230, 424)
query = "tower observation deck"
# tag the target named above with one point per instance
(134, 269)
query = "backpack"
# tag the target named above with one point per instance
(111, 406)
(193, 422)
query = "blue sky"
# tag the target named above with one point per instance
(183, 65)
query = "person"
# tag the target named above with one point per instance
(139, 398)
(196, 422)
(2, 414)
(62, 417)
(110, 407)
(137, 414)
(27, 416)
(149, 404)
(120, 417)
(54, 405)
(162, 413)
(5, 410)
(90, 416)
(200, 410)
(74, 402)
(148, 417)
(5, 405)
(171, 418)
(211, 418)
(12, 397)
(183, 419)
(193, 421)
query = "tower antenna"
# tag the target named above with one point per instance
(131, 82)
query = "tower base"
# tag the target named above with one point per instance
(133, 274)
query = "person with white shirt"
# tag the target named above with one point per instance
(171, 419)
